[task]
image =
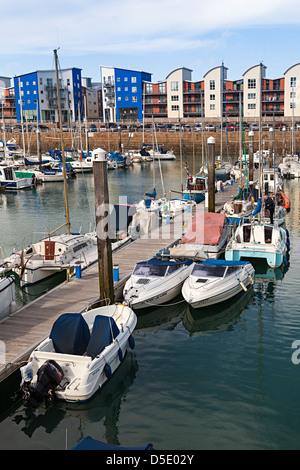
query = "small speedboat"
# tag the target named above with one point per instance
(155, 282)
(238, 210)
(215, 281)
(79, 356)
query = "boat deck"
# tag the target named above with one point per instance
(23, 330)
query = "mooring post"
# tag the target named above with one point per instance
(105, 263)
(251, 150)
(211, 173)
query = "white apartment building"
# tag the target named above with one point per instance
(292, 91)
(175, 99)
(214, 81)
(252, 89)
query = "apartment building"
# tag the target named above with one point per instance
(92, 99)
(36, 95)
(122, 94)
(7, 98)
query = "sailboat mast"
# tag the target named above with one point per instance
(62, 146)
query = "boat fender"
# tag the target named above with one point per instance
(107, 370)
(243, 286)
(251, 279)
(120, 354)
(131, 342)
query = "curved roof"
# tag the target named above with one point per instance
(179, 68)
(217, 67)
(253, 66)
(295, 65)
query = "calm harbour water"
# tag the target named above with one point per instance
(220, 378)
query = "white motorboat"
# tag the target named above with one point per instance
(206, 237)
(9, 180)
(79, 356)
(155, 282)
(238, 210)
(51, 255)
(215, 281)
(258, 240)
(160, 154)
(84, 165)
(7, 295)
(173, 207)
(290, 167)
(272, 180)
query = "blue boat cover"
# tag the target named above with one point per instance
(104, 331)
(88, 443)
(153, 194)
(221, 262)
(70, 334)
(159, 262)
(257, 208)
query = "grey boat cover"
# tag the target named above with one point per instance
(103, 333)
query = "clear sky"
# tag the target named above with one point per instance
(156, 36)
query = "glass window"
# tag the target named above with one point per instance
(161, 88)
(134, 99)
(251, 83)
(212, 84)
(251, 106)
(174, 86)
(293, 82)
(133, 79)
(208, 271)
(212, 107)
(251, 96)
(175, 107)
(174, 98)
(212, 97)
(150, 270)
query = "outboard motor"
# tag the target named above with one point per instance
(49, 376)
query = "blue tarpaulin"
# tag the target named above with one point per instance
(91, 444)
(70, 334)
(221, 262)
(104, 331)
(159, 262)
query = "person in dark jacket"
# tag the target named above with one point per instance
(270, 206)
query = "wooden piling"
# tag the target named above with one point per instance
(211, 174)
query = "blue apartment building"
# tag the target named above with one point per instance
(122, 93)
(38, 93)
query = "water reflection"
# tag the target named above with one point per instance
(103, 408)
(165, 317)
(219, 317)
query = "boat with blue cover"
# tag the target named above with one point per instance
(155, 282)
(80, 354)
(214, 281)
(88, 443)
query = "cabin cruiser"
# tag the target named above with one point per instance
(215, 281)
(206, 237)
(155, 282)
(258, 240)
(7, 295)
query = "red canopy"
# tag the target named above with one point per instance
(205, 229)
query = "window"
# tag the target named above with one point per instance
(251, 83)
(126, 98)
(33, 83)
(68, 81)
(41, 81)
(134, 99)
(292, 94)
(212, 107)
(28, 92)
(292, 105)
(293, 82)
(174, 98)
(119, 98)
(251, 96)
(125, 79)
(27, 83)
(212, 84)
(148, 88)
(161, 88)
(134, 89)
(118, 79)
(175, 107)
(174, 86)
(133, 79)
(212, 97)
(251, 106)
(118, 88)
(126, 88)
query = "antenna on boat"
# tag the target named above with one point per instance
(62, 144)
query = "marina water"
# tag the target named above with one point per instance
(226, 377)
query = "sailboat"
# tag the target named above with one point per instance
(55, 252)
(256, 238)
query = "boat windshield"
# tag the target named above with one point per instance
(151, 270)
(208, 271)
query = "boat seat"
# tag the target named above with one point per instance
(104, 331)
(70, 334)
